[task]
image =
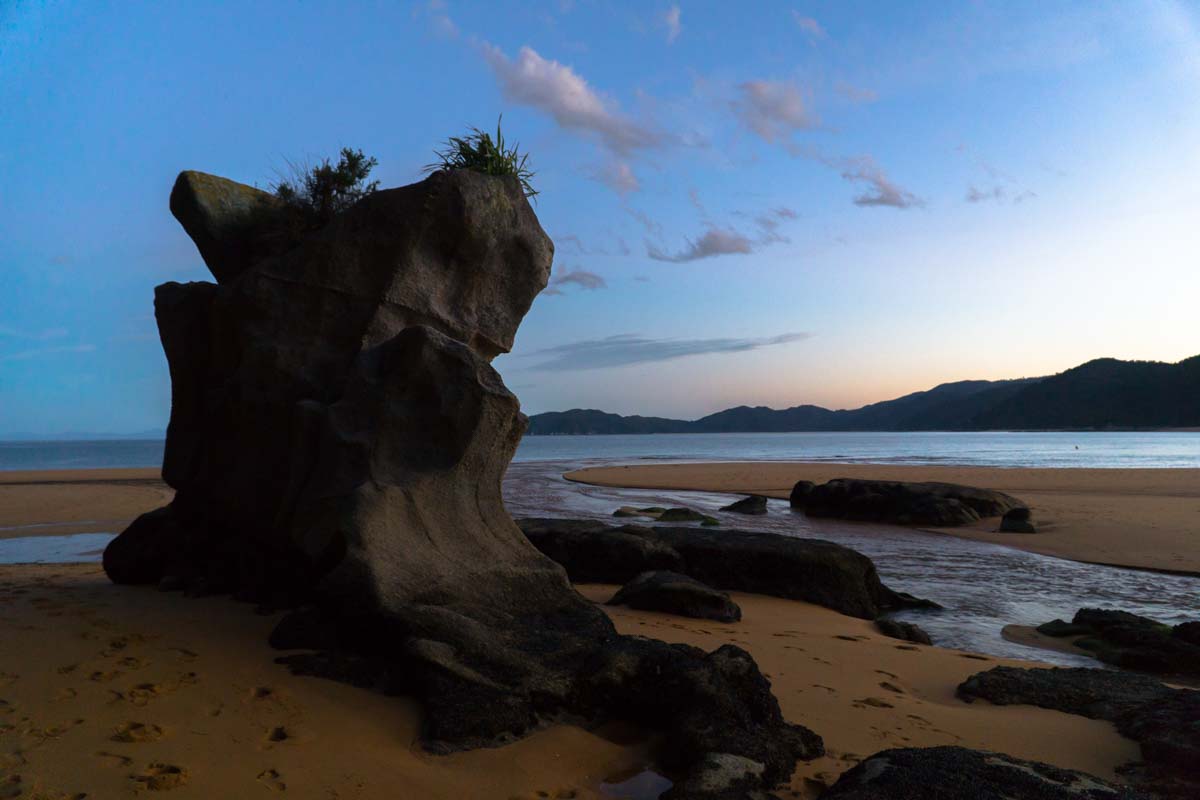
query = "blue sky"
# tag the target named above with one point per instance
(776, 204)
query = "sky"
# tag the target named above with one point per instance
(763, 204)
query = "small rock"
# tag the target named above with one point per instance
(958, 773)
(1017, 520)
(673, 593)
(754, 504)
(905, 631)
(800, 493)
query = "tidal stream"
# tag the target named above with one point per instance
(983, 587)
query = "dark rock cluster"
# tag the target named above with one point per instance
(1017, 520)
(900, 502)
(337, 442)
(1163, 720)
(754, 504)
(811, 570)
(957, 773)
(1133, 642)
(905, 631)
(673, 593)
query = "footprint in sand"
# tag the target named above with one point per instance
(873, 702)
(143, 693)
(67, 669)
(278, 734)
(973, 657)
(132, 662)
(891, 687)
(160, 777)
(66, 693)
(113, 759)
(271, 779)
(11, 787)
(906, 647)
(101, 676)
(137, 732)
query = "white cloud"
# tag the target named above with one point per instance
(620, 177)
(772, 109)
(714, 242)
(26, 355)
(809, 25)
(625, 349)
(880, 191)
(855, 94)
(559, 91)
(672, 21)
(581, 278)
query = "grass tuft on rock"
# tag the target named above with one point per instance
(479, 152)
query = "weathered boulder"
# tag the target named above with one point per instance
(800, 493)
(228, 221)
(1017, 520)
(754, 504)
(1131, 641)
(957, 773)
(673, 593)
(903, 503)
(337, 441)
(1164, 721)
(811, 570)
(905, 631)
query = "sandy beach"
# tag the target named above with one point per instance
(1145, 518)
(116, 690)
(58, 502)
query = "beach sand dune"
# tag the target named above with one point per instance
(113, 691)
(1145, 518)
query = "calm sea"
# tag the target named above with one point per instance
(1107, 450)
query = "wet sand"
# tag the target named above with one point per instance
(1145, 518)
(115, 690)
(59, 502)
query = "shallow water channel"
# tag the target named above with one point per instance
(983, 587)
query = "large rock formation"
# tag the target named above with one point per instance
(811, 570)
(1163, 720)
(901, 502)
(337, 441)
(1133, 642)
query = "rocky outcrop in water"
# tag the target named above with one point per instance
(337, 441)
(1017, 520)
(673, 593)
(811, 570)
(1132, 642)
(1163, 720)
(957, 773)
(754, 504)
(901, 502)
(905, 631)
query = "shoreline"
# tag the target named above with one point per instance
(199, 677)
(1146, 519)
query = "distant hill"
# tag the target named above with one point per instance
(1101, 394)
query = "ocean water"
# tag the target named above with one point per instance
(993, 449)
(983, 587)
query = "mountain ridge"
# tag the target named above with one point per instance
(1104, 393)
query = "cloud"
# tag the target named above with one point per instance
(975, 195)
(440, 20)
(671, 20)
(559, 91)
(809, 25)
(652, 226)
(26, 355)
(619, 177)
(855, 94)
(769, 223)
(714, 242)
(626, 349)
(880, 191)
(37, 336)
(772, 109)
(578, 277)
